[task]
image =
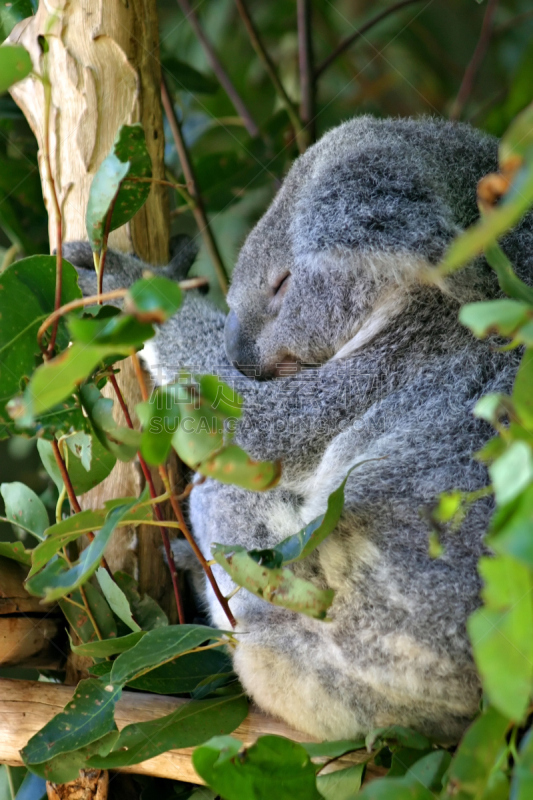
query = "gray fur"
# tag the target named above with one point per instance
(357, 219)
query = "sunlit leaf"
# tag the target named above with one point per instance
(153, 299)
(233, 465)
(129, 157)
(512, 472)
(272, 767)
(15, 64)
(494, 316)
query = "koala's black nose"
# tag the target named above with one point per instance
(240, 350)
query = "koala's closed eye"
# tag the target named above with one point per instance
(281, 285)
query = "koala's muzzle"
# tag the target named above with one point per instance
(240, 350)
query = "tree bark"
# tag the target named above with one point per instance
(104, 71)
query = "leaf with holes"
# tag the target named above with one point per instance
(85, 719)
(277, 586)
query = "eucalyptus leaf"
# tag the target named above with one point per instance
(153, 299)
(16, 552)
(24, 508)
(158, 646)
(188, 726)
(26, 299)
(79, 619)
(495, 316)
(512, 472)
(85, 719)
(116, 599)
(108, 647)
(146, 611)
(343, 784)
(52, 583)
(522, 782)
(233, 465)
(277, 586)
(15, 64)
(187, 78)
(272, 767)
(109, 191)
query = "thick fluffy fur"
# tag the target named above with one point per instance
(394, 377)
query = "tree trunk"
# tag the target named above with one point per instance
(104, 72)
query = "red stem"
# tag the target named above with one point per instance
(157, 510)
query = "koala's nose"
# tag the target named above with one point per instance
(240, 350)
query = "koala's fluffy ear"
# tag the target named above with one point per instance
(183, 252)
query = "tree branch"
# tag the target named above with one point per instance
(359, 33)
(475, 62)
(270, 69)
(307, 72)
(198, 208)
(216, 65)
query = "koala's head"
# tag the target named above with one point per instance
(336, 255)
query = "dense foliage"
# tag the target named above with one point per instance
(461, 59)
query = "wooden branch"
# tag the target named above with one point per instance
(28, 705)
(27, 629)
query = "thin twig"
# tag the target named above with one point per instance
(198, 208)
(55, 204)
(475, 62)
(179, 513)
(353, 37)
(83, 301)
(307, 72)
(153, 493)
(216, 65)
(71, 493)
(270, 69)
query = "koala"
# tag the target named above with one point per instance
(344, 356)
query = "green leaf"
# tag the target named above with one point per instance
(26, 299)
(494, 316)
(218, 395)
(396, 734)
(85, 719)
(53, 583)
(522, 781)
(501, 633)
(476, 756)
(160, 418)
(491, 226)
(277, 586)
(187, 78)
(79, 619)
(333, 749)
(71, 528)
(116, 599)
(272, 767)
(511, 528)
(108, 647)
(517, 140)
(198, 437)
(512, 472)
(509, 281)
(130, 158)
(186, 673)
(233, 465)
(523, 390)
(24, 508)
(301, 544)
(395, 789)
(16, 552)
(160, 645)
(153, 299)
(55, 380)
(66, 767)
(123, 331)
(122, 442)
(15, 64)
(146, 611)
(343, 784)
(188, 726)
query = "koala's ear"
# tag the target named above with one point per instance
(183, 252)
